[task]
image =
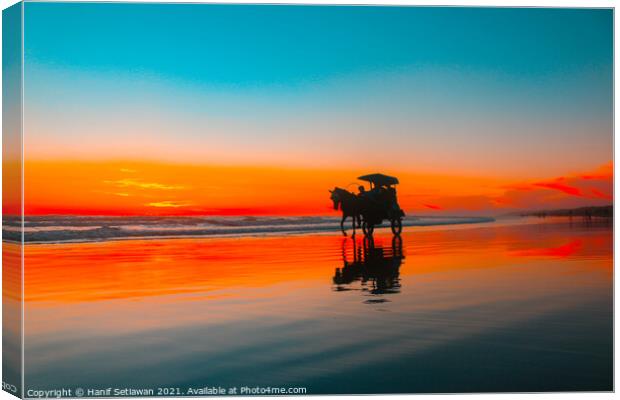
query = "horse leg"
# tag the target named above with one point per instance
(342, 224)
(353, 223)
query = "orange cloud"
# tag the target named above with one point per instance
(167, 203)
(604, 172)
(124, 183)
(433, 206)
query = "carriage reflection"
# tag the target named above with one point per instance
(375, 266)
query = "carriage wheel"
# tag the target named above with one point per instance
(397, 226)
(368, 228)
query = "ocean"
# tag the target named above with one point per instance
(59, 229)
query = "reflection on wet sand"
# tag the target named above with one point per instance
(375, 267)
(498, 308)
(11, 317)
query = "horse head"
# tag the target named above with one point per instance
(336, 197)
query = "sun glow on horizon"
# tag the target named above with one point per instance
(132, 188)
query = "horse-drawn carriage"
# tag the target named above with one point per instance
(370, 208)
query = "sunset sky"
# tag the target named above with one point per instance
(212, 109)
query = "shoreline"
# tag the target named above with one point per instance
(283, 231)
(244, 232)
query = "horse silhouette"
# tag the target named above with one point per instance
(375, 265)
(368, 209)
(350, 205)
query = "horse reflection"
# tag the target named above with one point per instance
(376, 267)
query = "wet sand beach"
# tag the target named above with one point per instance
(524, 307)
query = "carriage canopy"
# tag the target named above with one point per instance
(379, 179)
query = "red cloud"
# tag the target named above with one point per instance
(591, 188)
(601, 195)
(604, 172)
(557, 185)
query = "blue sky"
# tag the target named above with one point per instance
(494, 87)
(277, 45)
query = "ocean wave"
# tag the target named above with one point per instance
(58, 229)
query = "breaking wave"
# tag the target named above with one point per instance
(56, 229)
